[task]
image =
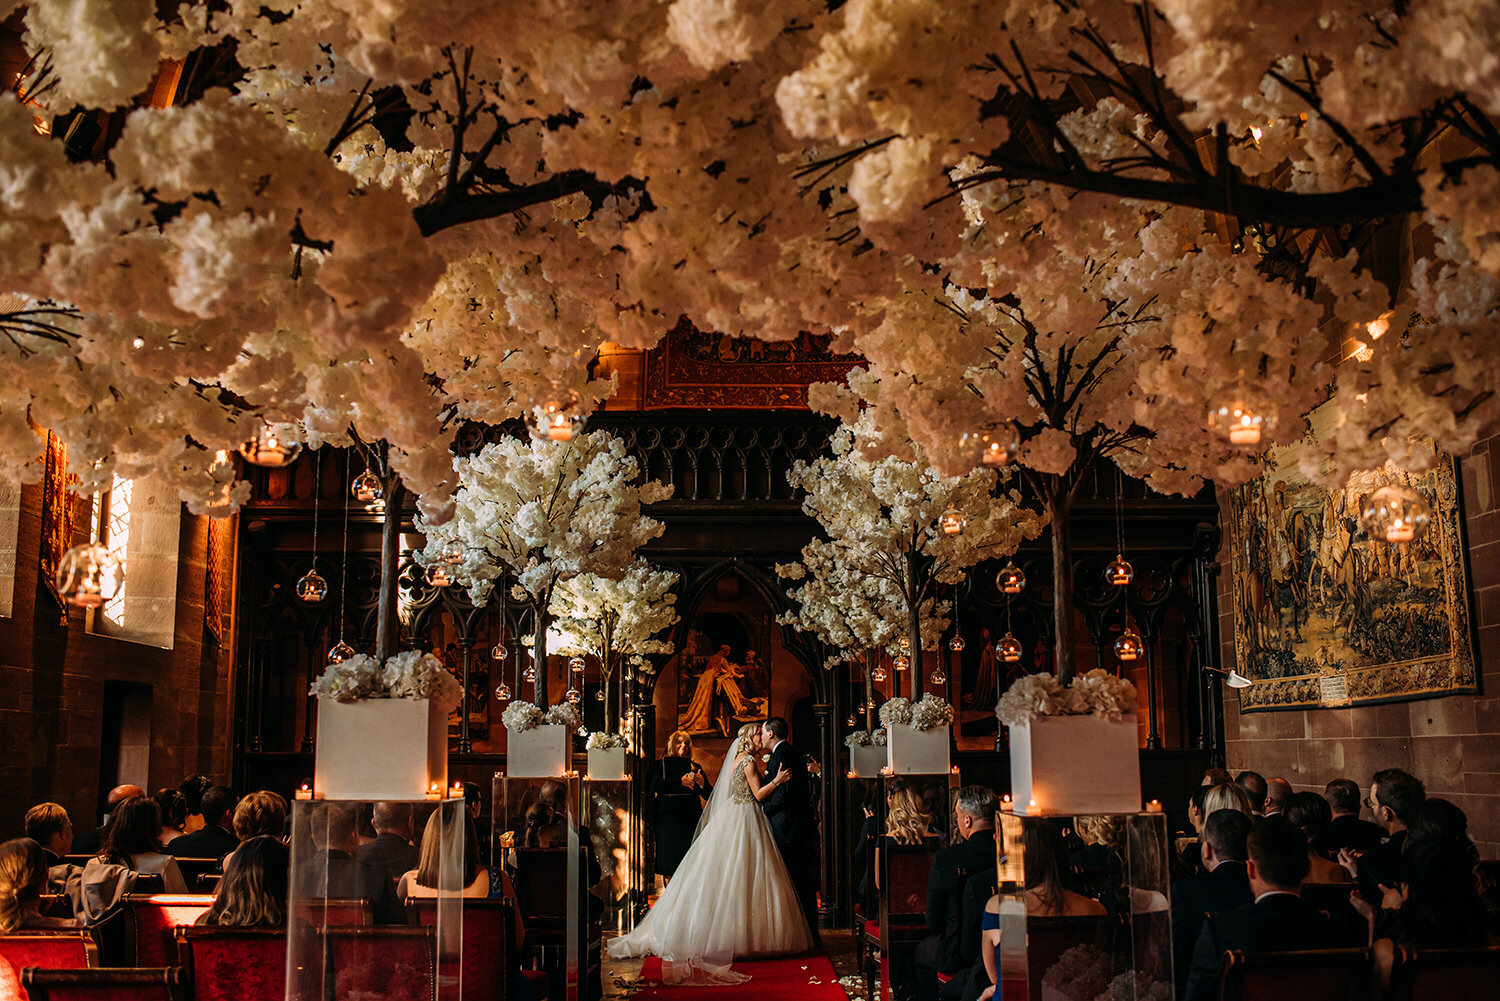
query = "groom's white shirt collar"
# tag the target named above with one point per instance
(777, 744)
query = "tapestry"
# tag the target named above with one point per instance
(723, 674)
(694, 368)
(57, 518)
(216, 573)
(1324, 615)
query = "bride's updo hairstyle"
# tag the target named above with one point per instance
(745, 742)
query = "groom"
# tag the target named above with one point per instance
(789, 812)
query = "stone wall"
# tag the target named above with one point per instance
(52, 687)
(1452, 744)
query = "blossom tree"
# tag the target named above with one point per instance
(615, 619)
(881, 519)
(545, 512)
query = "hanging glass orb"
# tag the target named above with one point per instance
(598, 695)
(1129, 646)
(499, 652)
(992, 446)
(851, 722)
(952, 522)
(311, 587)
(452, 554)
(1008, 649)
(1010, 579)
(956, 644)
(529, 675)
(573, 695)
(904, 644)
(366, 488)
(901, 662)
(878, 674)
(438, 575)
(557, 421)
(1239, 423)
(1119, 572)
(341, 652)
(273, 445)
(938, 677)
(577, 664)
(89, 575)
(1396, 513)
(502, 692)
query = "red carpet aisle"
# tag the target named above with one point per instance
(810, 976)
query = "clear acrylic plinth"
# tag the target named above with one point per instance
(539, 841)
(348, 934)
(901, 871)
(1117, 860)
(611, 828)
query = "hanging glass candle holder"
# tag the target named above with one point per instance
(311, 587)
(904, 644)
(573, 695)
(366, 488)
(438, 575)
(851, 722)
(499, 652)
(956, 644)
(1129, 646)
(341, 652)
(1239, 423)
(1008, 649)
(577, 664)
(901, 662)
(1010, 579)
(598, 695)
(878, 674)
(273, 445)
(952, 522)
(502, 692)
(1396, 513)
(556, 420)
(992, 446)
(452, 554)
(529, 675)
(89, 575)
(938, 677)
(1119, 572)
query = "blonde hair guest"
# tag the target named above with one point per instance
(1226, 796)
(907, 820)
(23, 876)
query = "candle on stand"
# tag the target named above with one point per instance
(1154, 806)
(1006, 806)
(435, 791)
(304, 791)
(457, 792)
(1032, 809)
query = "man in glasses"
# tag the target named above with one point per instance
(1394, 798)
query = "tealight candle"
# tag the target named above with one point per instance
(1032, 809)
(1006, 805)
(1154, 806)
(435, 791)
(304, 791)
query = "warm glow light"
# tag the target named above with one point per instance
(1119, 572)
(1396, 513)
(1010, 579)
(274, 445)
(1240, 423)
(1129, 646)
(1008, 649)
(438, 575)
(1154, 806)
(952, 522)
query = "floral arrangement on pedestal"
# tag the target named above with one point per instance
(410, 674)
(1096, 693)
(521, 716)
(605, 741)
(927, 713)
(866, 738)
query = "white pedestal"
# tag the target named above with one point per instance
(538, 753)
(607, 764)
(380, 749)
(1075, 765)
(910, 751)
(867, 761)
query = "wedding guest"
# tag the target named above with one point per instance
(1190, 855)
(1277, 921)
(192, 788)
(332, 871)
(681, 789)
(254, 888)
(1438, 818)
(173, 806)
(1227, 797)
(90, 842)
(48, 825)
(1394, 798)
(1222, 886)
(1278, 792)
(215, 838)
(260, 814)
(1217, 776)
(954, 944)
(471, 800)
(1254, 785)
(1347, 830)
(133, 840)
(1309, 813)
(422, 881)
(392, 851)
(23, 878)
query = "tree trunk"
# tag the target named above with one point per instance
(387, 626)
(1058, 510)
(539, 649)
(914, 626)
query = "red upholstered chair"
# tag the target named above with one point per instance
(1445, 974)
(1325, 974)
(152, 923)
(44, 947)
(903, 904)
(109, 984)
(489, 937)
(329, 912)
(385, 961)
(1048, 938)
(231, 964)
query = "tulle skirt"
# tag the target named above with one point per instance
(731, 899)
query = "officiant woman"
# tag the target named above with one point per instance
(681, 789)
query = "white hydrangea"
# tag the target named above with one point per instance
(1096, 693)
(410, 674)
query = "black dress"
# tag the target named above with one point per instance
(677, 811)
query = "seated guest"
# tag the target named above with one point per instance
(1346, 830)
(253, 890)
(332, 871)
(1189, 859)
(1438, 818)
(1394, 799)
(133, 840)
(215, 838)
(422, 881)
(90, 842)
(1217, 777)
(907, 823)
(1227, 797)
(192, 788)
(48, 825)
(1224, 885)
(173, 807)
(952, 946)
(1254, 785)
(260, 814)
(471, 800)
(1309, 813)
(1278, 793)
(392, 851)
(23, 878)
(1277, 921)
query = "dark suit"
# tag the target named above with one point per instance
(90, 842)
(789, 812)
(954, 942)
(390, 853)
(206, 842)
(348, 879)
(1349, 831)
(1280, 922)
(1224, 889)
(1381, 866)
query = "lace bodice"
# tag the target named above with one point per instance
(739, 787)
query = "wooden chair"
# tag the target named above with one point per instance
(386, 961)
(208, 882)
(1445, 974)
(332, 912)
(903, 901)
(230, 964)
(151, 924)
(1325, 974)
(867, 931)
(52, 948)
(118, 984)
(489, 956)
(192, 868)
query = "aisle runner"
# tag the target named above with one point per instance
(809, 976)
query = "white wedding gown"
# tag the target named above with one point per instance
(730, 899)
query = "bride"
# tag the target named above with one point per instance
(731, 897)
